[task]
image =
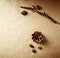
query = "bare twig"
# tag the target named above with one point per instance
(43, 14)
(46, 15)
(29, 8)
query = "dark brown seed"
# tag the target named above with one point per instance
(38, 7)
(32, 46)
(34, 51)
(24, 12)
(40, 48)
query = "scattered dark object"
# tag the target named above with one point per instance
(40, 48)
(38, 7)
(24, 12)
(32, 46)
(34, 51)
(38, 37)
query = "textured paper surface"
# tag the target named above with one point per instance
(16, 29)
